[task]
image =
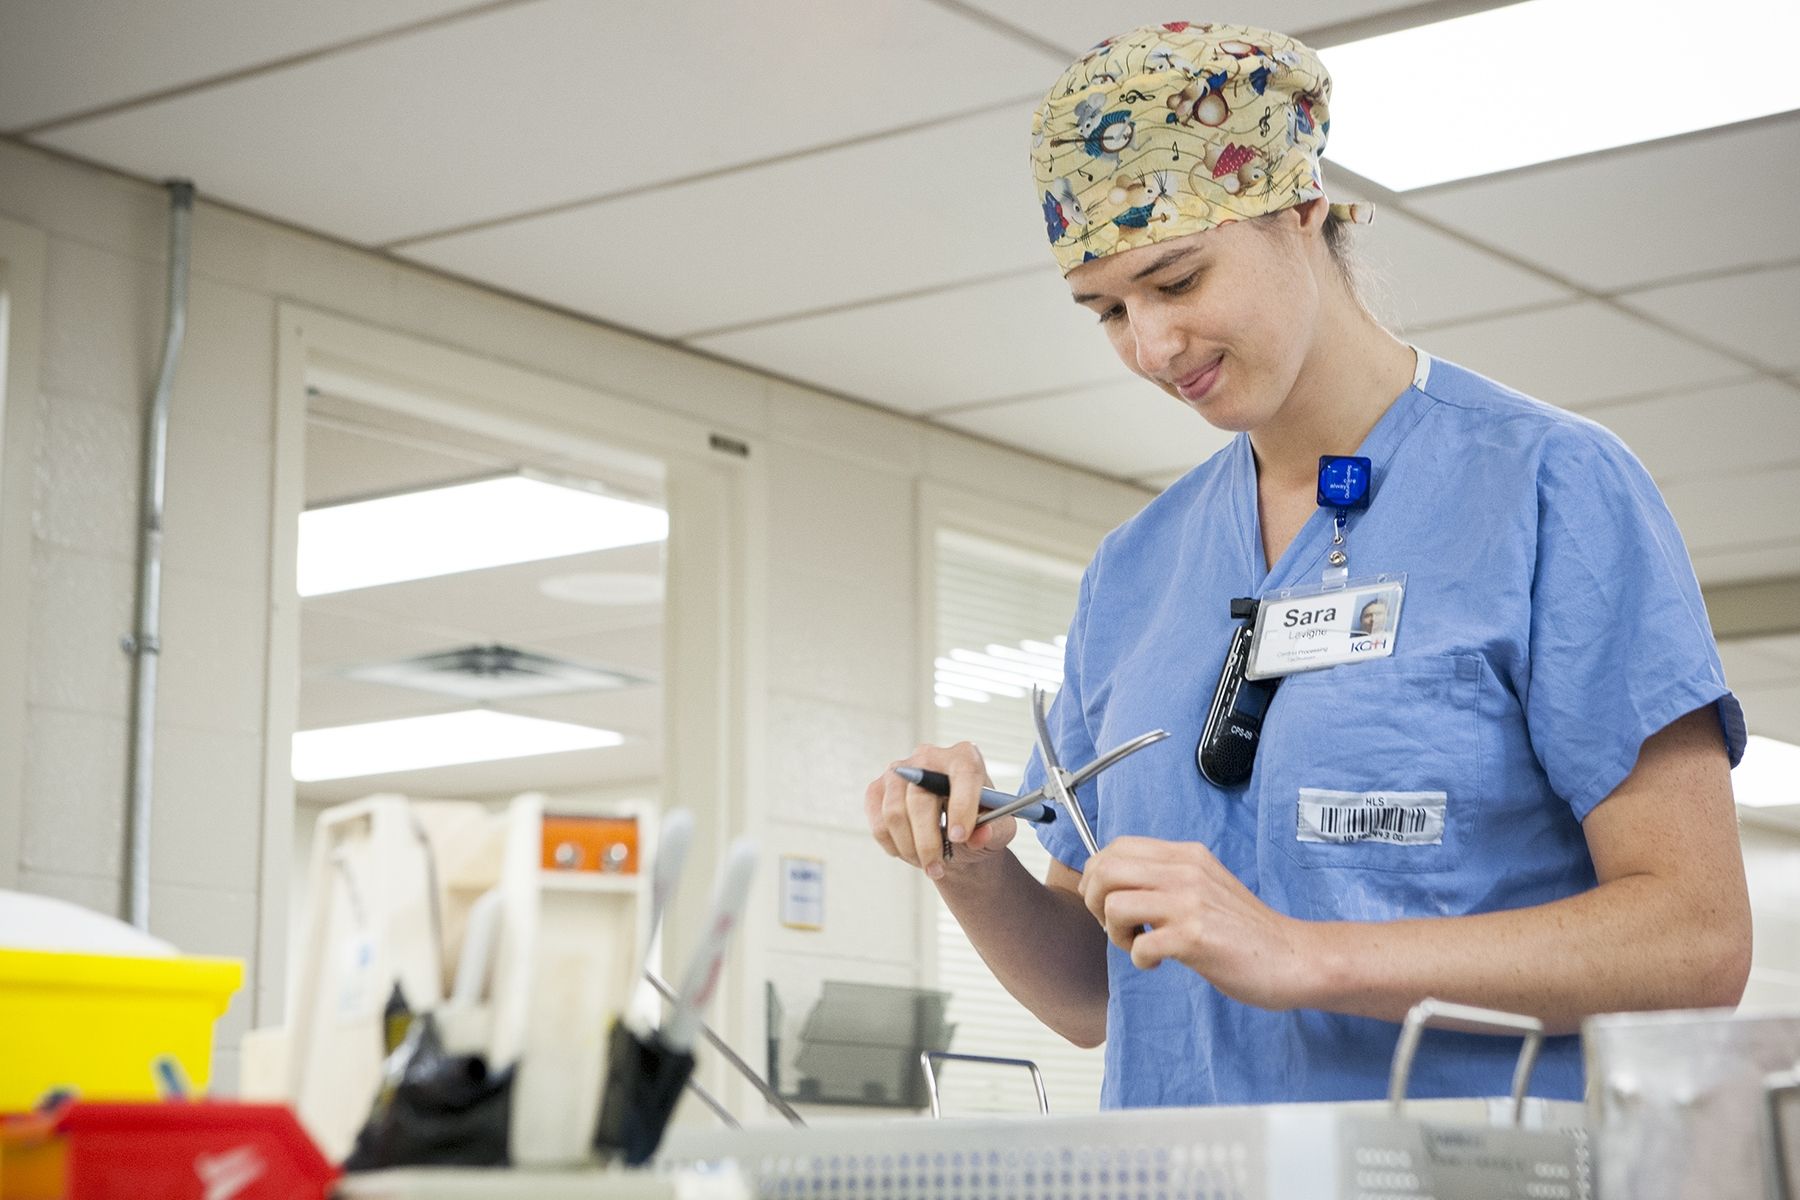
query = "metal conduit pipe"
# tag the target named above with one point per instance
(144, 644)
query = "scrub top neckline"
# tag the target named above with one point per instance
(1378, 446)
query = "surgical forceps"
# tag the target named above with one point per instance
(1059, 785)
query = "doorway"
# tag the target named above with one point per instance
(630, 640)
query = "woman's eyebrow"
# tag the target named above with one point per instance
(1172, 257)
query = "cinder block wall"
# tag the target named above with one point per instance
(840, 553)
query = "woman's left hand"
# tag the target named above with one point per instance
(1173, 900)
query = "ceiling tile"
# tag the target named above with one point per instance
(1773, 711)
(1633, 217)
(1762, 662)
(634, 761)
(1579, 354)
(327, 701)
(1738, 510)
(1756, 313)
(561, 100)
(501, 604)
(344, 465)
(334, 632)
(1785, 648)
(634, 649)
(634, 711)
(1078, 24)
(1711, 431)
(1775, 560)
(72, 56)
(1128, 429)
(986, 341)
(1420, 277)
(1161, 482)
(789, 237)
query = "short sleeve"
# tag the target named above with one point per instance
(1074, 745)
(1620, 641)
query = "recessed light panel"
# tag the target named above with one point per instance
(1548, 79)
(464, 527)
(442, 740)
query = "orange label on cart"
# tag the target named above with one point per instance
(607, 845)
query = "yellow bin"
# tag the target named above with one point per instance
(97, 1022)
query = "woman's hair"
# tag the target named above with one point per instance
(1337, 240)
(1356, 273)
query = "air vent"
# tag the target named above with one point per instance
(494, 673)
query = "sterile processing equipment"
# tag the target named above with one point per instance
(1505, 1149)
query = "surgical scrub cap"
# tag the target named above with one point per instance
(1174, 129)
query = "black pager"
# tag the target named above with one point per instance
(1227, 748)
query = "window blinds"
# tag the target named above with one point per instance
(1002, 612)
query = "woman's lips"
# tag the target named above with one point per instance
(1200, 382)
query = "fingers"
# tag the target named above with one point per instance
(1150, 948)
(1126, 914)
(908, 822)
(896, 820)
(1113, 870)
(968, 775)
(994, 834)
(924, 813)
(1158, 850)
(874, 804)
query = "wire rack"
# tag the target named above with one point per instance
(1438, 1150)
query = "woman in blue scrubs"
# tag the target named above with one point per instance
(1549, 715)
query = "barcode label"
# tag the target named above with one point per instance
(1399, 818)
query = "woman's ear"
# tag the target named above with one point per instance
(1312, 214)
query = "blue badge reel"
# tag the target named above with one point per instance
(1344, 481)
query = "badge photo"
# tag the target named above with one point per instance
(1308, 629)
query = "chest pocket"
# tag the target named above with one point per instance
(1404, 729)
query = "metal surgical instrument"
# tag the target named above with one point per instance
(1059, 785)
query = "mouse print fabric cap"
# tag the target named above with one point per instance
(1176, 129)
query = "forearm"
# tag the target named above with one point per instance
(1039, 941)
(1633, 943)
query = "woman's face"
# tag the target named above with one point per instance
(1221, 320)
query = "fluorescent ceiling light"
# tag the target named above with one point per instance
(464, 527)
(1769, 775)
(1548, 79)
(605, 588)
(448, 739)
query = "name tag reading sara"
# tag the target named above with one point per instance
(1307, 629)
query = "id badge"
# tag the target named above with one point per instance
(1326, 625)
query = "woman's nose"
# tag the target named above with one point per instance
(1159, 340)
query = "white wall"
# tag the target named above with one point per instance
(1772, 865)
(838, 558)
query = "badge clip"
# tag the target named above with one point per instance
(1344, 481)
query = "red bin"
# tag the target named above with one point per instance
(199, 1150)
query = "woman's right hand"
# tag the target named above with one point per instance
(904, 816)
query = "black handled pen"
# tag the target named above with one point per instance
(938, 784)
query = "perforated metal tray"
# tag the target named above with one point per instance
(1443, 1150)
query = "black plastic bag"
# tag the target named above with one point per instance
(644, 1078)
(435, 1109)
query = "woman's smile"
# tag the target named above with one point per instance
(1195, 386)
